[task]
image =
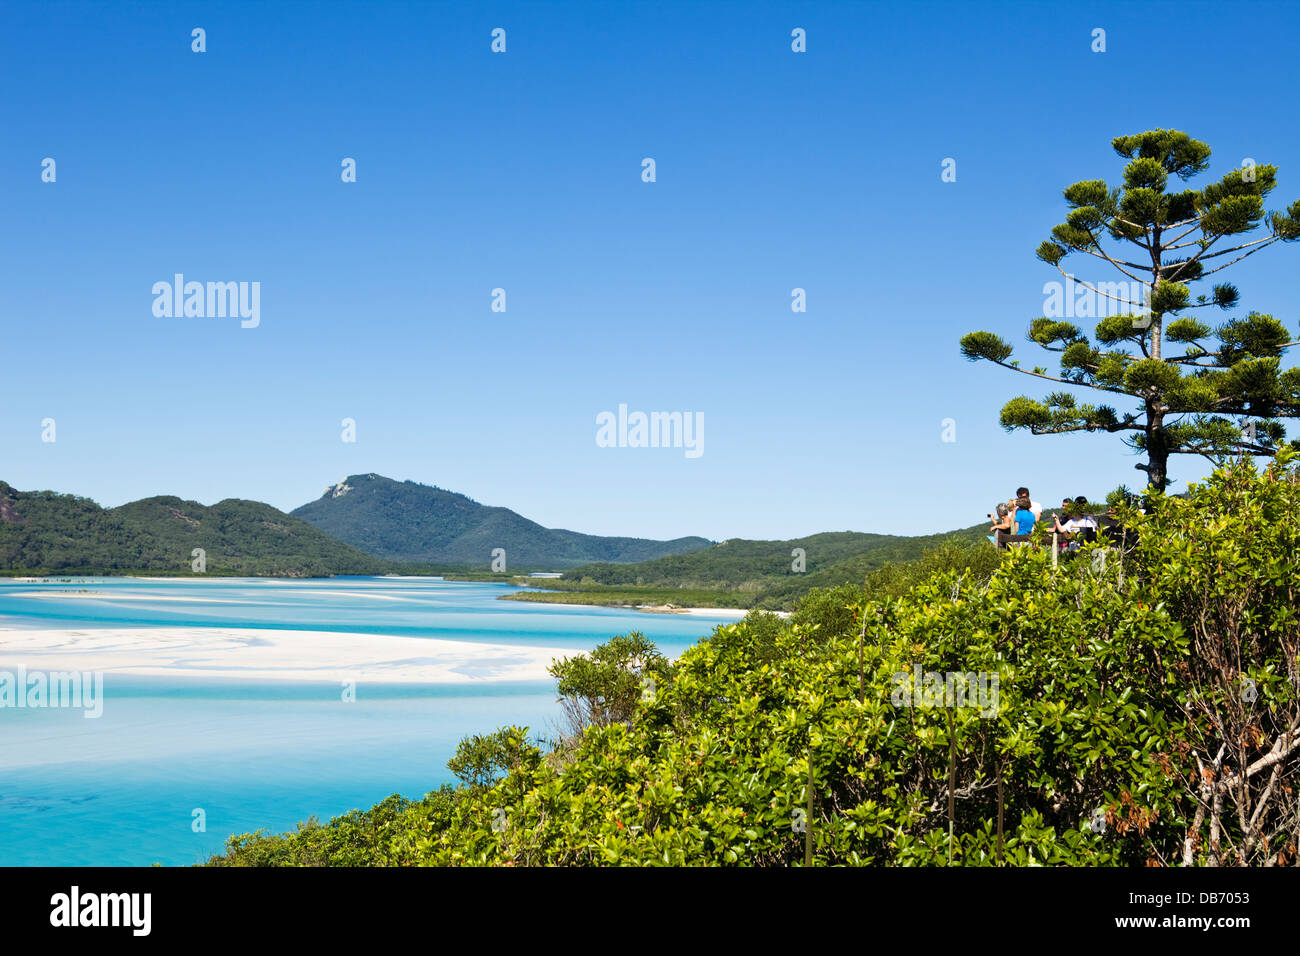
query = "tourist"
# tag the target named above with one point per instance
(1083, 521)
(1001, 518)
(1034, 506)
(1025, 517)
(1070, 509)
(1067, 504)
(1078, 522)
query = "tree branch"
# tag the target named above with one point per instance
(1101, 253)
(1062, 381)
(1077, 281)
(1233, 262)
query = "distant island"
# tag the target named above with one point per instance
(768, 575)
(43, 532)
(371, 525)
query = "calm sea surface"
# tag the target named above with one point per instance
(122, 789)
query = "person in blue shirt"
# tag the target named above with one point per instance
(1024, 516)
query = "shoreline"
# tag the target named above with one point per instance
(730, 612)
(258, 654)
(735, 612)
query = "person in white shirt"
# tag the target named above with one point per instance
(1083, 522)
(1034, 506)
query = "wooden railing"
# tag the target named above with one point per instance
(1111, 530)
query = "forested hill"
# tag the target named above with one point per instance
(372, 525)
(767, 568)
(407, 521)
(42, 532)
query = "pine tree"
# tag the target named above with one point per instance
(1223, 393)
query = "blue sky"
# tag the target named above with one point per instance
(522, 171)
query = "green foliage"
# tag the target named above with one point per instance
(828, 610)
(835, 610)
(384, 835)
(985, 345)
(1024, 412)
(483, 759)
(602, 688)
(1186, 330)
(973, 561)
(1174, 150)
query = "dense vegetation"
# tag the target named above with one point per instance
(42, 532)
(745, 574)
(407, 521)
(1146, 713)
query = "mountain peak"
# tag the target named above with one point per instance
(350, 483)
(409, 521)
(337, 491)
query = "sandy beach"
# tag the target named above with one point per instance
(737, 613)
(269, 654)
(727, 612)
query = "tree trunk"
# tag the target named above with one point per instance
(1157, 267)
(1157, 466)
(1157, 445)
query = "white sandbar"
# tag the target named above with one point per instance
(270, 654)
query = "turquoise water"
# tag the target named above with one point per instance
(122, 789)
